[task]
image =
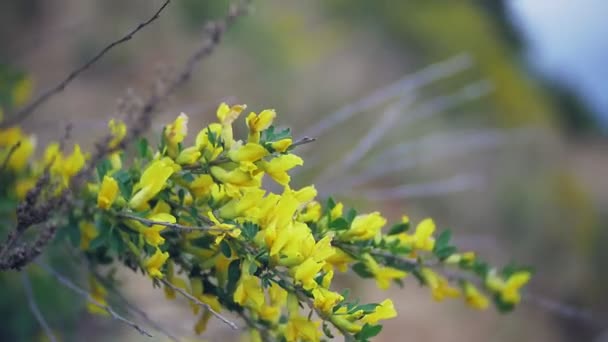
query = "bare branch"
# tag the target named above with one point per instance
(404, 85)
(302, 141)
(176, 226)
(29, 109)
(27, 286)
(134, 309)
(204, 305)
(456, 183)
(69, 284)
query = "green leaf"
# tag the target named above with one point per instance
(234, 274)
(443, 240)
(330, 203)
(142, 147)
(367, 308)
(350, 215)
(362, 270)
(368, 331)
(249, 230)
(399, 228)
(339, 224)
(326, 330)
(445, 252)
(188, 177)
(225, 248)
(203, 242)
(103, 167)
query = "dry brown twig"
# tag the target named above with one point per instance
(28, 214)
(69, 284)
(31, 300)
(45, 96)
(198, 302)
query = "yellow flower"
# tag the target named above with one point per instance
(306, 272)
(250, 152)
(203, 144)
(364, 227)
(281, 145)
(152, 234)
(383, 275)
(440, 288)
(386, 310)
(74, 162)
(258, 123)
(176, 132)
(152, 181)
(23, 186)
(155, 262)
(227, 115)
(311, 213)
(118, 130)
(188, 156)
(302, 329)
(249, 292)
(422, 239)
(201, 186)
(9, 138)
(508, 290)
(238, 206)
(325, 300)
(277, 168)
(201, 324)
(98, 294)
(340, 260)
(473, 297)
(235, 177)
(230, 229)
(107, 193)
(88, 233)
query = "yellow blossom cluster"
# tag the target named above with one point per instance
(197, 217)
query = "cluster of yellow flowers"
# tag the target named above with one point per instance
(197, 218)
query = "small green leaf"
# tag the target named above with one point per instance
(103, 167)
(330, 203)
(443, 240)
(234, 274)
(326, 330)
(225, 248)
(362, 270)
(142, 147)
(399, 228)
(350, 215)
(445, 252)
(249, 230)
(367, 308)
(339, 224)
(368, 331)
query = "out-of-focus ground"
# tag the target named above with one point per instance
(511, 164)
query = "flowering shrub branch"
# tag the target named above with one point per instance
(197, 221)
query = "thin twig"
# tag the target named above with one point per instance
(27, 286)
(9, 155)
(458, 183)
(29, 109)
(204, 305)
(302, 141)
(69, 284)
(134, 309)
(402, 86)
(176, 226)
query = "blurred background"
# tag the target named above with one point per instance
(490, 116)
